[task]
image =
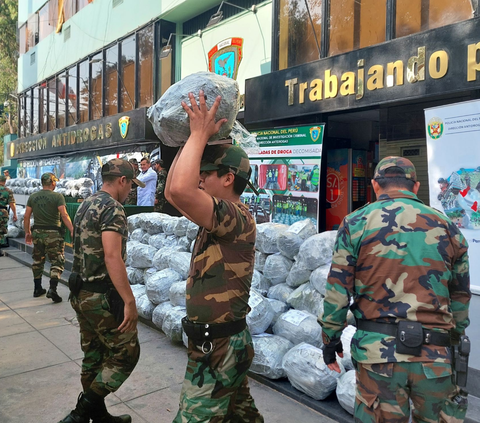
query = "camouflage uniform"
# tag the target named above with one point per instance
(215, 388)
(400, 260)
(159, 194)
(132, 195)
(109, 355)
(6, 198)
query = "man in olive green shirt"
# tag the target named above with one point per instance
(47, 207)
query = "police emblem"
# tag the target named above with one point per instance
(435, 128)
(225, 57)
(315, 133)
(123, 123)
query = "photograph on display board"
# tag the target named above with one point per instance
(288, 209)
(303, 177)
(259, 206)
(273, 177)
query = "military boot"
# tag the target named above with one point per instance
(52, 292)
(101, 415)
(38, 291)
(82, 413)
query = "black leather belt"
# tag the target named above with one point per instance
(200, 332)
(99, 287)
(429, 337)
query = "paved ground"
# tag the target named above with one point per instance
(40, 360)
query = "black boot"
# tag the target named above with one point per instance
(38, 291)
(101, 415)
(83, 411)
(52, 292)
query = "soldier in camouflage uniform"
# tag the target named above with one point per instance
(6, 199)
(220, 348)
(132, 195)
(401, 262)
(47, 207)
(108, 327)
(161, 181)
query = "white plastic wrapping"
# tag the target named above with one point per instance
(269, 353)
(133, 222)
(144, 307)
(135, 276)
(305, 297)
(319, 277)
(154, 224)
(180, 262)
(142, 256)
(184, 243)
(299, 326)
(177, 293)
(261, 314)
(298, 275)
(181, 227)
(278, 307)
(192, 230)
(317, 250)
(276, 268)
(346, 391)
(288, 243)
(138, 290)
(172, 323)
(169, 225)
(260, 283)
(346, 339)
(137, 235)
(267, 236)
(157, 240)
(279, 292)
(159, 313)
(145, 238)
(160, 259)
(158, 285)
(148, 272)
(260, 259)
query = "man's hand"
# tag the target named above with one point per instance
(28, 239)
(329, 357)
(129, 323)
(14, 217)
(202, 120)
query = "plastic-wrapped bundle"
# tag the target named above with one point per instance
(177, 293)
(260, 283)
(346, 339)
(304, 228)
(279, 292)
(278, 307)
(20, 217)
(298, 275)
(184, 243)
(180, 262)
(138, 290)
(288, 244)
(267, 236)
(158, 285)
(261, 313)
(172, 323)
(13, 231)
(299, 326)
(85, 192)
(85, 182)
(184, 339)
(145, 239)
(159, 313)
(157, 241)
(20, 182)
(133, 222)
(260, 259)
(170, 241)
(305, 297)
(269, 353)
(307, 372)
(192, 246)
(319, 277)
(169, 225)
(74, 193)
(137, 235)
(276, 268)
(154, 225)
(146, 218)
(145, 307)
(160, 259)
(130, 245)
(28, 183)
(142, 255)
(181, 227)
(192, 230)
(346, 391)
(135, 276)
(172, 124)
(317, 250)
(147, 273)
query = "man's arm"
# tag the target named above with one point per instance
(66, 219)
(184, 179)
(112, 247)
(148, 176)
(26, 225)
(13, 207)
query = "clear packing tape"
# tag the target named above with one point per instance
(244, 139)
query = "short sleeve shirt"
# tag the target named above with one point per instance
(6, 196)
(98, 213)
(45, 204)
(221, 269)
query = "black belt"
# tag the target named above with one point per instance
(47, 227)
(429, 337)
(3, 208)
(99, 287)
(200, 332)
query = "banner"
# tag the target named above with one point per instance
(453, 134)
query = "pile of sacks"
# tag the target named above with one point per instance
(286, 297)
(15, 229)
(24, 186)
(76, 188)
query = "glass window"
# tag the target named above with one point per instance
(53, 13)
(419, 15)
(96, 87)
(32, 33)
(45, 28)
(127, 74)
(21, 117)
(111, 81)
(28, 113)
(81, 4)
(36, 107)
(145, 66)
(42, 114)
(22, 39)
(62, 100)
(297, 42)
(84, 91)
(355, 24)
(52, 104)
(69, 8)
(72, 96)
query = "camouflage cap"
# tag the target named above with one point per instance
(3, 178)
(119, 167)
(231, 157)
(48, 178)
(133, 161)
(401, 165)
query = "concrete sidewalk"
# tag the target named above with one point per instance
(40, 360)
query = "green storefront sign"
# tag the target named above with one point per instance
(294, 135)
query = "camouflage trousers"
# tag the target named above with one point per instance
(160, 205)
(215, 388)
(384, 392)
(3, 226)
(109, 355)
(48, 243)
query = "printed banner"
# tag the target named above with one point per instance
(453, 149)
